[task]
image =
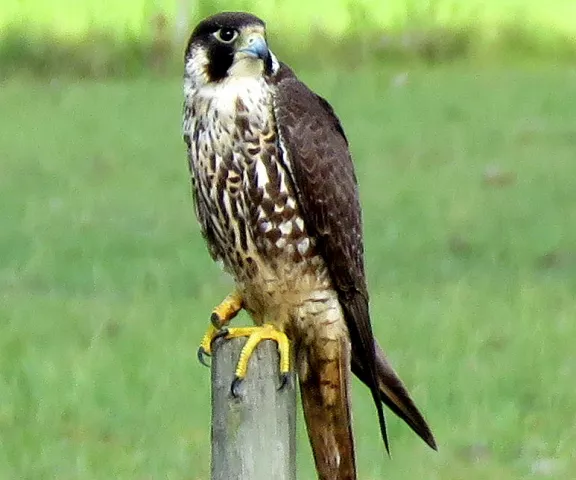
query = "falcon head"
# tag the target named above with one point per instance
(227, 45)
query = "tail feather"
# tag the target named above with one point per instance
(325, 391)
(394, 394)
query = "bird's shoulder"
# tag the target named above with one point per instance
(299, 103)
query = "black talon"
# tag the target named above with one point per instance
(284, 380)
(219, 334)
(202, 354)
(234, 388)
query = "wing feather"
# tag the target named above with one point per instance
(323, 176)
(326, 186)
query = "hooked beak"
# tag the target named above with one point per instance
(255, 46)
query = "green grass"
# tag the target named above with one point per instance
(106, 288)
(95, 38)
(298, 16)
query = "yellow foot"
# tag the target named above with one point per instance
(255, 336)
(220, 317)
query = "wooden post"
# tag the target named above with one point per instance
(253, 436)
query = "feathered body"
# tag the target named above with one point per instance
(276, 197)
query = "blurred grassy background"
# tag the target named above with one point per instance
(95, 37)
(461, 121)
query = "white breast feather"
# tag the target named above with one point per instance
(261, 175)
(224, 94)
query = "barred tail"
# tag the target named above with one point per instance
(325, 390)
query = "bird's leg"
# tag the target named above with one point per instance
(221, 316)
(255, 336)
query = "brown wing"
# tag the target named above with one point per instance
(325, 182)
(323, 176)
(324, 179)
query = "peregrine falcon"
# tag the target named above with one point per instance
(276, 198)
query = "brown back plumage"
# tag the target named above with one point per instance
(326, 186)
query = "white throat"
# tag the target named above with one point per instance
(223, 96)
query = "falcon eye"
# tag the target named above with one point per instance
(226, 35)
